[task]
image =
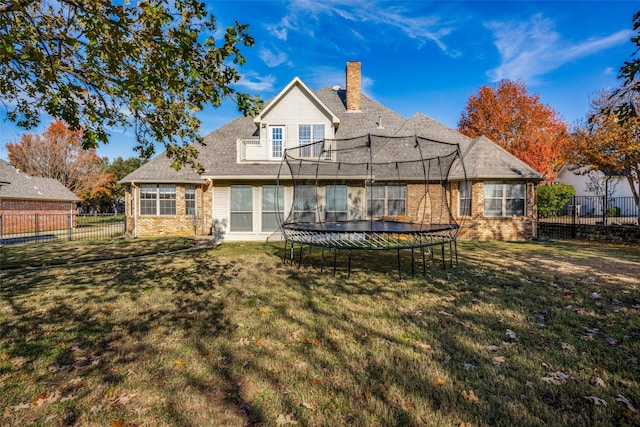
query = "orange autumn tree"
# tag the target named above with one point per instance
(518, 122)
(58, 154)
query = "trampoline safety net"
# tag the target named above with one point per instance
(370, 192)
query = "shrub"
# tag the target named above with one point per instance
(613, 211)
(552, 198)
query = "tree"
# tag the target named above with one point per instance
(58, 154)
(609, 142)
(629, 75)
(518, 122)
(104, 63)
(121, 168)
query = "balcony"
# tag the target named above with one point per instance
(264, 150)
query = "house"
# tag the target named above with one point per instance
(591, 186)
(25, 199)
(492, 195)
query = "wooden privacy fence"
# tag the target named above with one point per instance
(39, 227)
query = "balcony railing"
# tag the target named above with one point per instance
(264, 149)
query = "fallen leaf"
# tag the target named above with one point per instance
(470, 396)
(4, 356)
(258, 342)
(117, 423)
(179, 362)
(463, 424)
(498, 360)
(620, 398)
(285, 419)
(596, 400)
(597, 381)
(567, 346)
(438, 382)
(109, 392)
(310, 406)
(423, 346)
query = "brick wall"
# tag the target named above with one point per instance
(180, 224)
(479, 227)
(28, 216)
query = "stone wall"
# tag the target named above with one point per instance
(599, 232)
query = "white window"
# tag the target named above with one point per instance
(311, 140)
(304, 203)
(190, 199)
(336, 203)
(464, 208)
(241, 214)
(276, 141)
(157, 199)
(504, 198)
(386, 200)
(272, 207)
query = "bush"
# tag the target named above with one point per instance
(552, 198)
(613, 211)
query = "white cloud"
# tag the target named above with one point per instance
(533, 48)
(272, 57)
(316, 18)
(256, 83)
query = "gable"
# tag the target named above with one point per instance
(296, 102)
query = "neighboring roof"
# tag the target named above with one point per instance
(482, 158)
(26, 187)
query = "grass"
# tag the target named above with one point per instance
(518, 334)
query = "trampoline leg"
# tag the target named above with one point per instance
(300, 258)
(450, 255)
(455, 246)
(284, 255)
(399, 271)
(349, 272)
(322, 262)
(424, 265)
(444, 262)
(413, 272)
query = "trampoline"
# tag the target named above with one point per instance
(370, 193)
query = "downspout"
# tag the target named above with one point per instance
(133, 209)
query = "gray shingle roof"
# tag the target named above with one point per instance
(482, 158)
(25, 187)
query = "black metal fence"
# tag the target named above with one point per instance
(41, 228)
(589, 216)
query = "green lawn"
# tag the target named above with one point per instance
(522, 334)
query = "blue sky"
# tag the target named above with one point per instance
(420, 55)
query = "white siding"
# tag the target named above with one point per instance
(295, 109)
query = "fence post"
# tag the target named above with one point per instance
(69, 226)
(573, 218)
(1, 239)
(604, 210)
(36, 224)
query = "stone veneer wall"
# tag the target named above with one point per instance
(171, 225)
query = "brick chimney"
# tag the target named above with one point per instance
(353, 85)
